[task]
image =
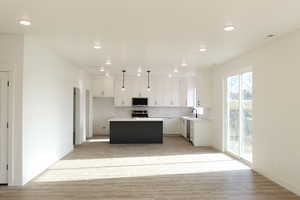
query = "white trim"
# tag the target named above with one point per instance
(11, 132)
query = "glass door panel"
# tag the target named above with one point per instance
(246, 116)
(233, 114)
(239, 115)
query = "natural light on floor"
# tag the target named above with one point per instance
(97, 140)
(107, 168)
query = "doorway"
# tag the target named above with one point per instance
(238, 112)
(4, 84)
(76, 116)
(87, 114)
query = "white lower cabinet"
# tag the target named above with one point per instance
(201, 132)
(171, 126)
(183, 127)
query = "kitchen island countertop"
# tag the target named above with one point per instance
(143, 119)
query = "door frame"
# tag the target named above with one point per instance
(225, 107)
(87, 113)
(76, 116)
(10, 129)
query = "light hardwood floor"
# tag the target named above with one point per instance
(174, 170)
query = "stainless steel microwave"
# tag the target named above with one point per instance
(140, 101)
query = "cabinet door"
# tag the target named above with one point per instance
(98, 87)
(204, 88)
(175, 101)
(172, 125)
(103, 87)
(157, 92)
(108, 87)
(183, 92)
(172, 92)
(183, 127)
(201, 133)
(167, 90)
(139, 87)
(122, 98)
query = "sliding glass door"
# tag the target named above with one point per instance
(239, 115)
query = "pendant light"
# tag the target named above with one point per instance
(148, 88)
(123, 81)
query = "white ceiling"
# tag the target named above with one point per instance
(155, 34)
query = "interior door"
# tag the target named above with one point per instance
(239, 115)
(87, 114)
(3, 127)
(76, 116)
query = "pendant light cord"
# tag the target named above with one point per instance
(123, 86)
(148, 78)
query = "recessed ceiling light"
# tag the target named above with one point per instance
(203, 49)
(229, 28)
(138, 74)
(170, 75)
(101, 69)
(107, 74)
(108, 62)
(97, 45)
(25, 22)
(175, 70)
(184, 64)
(139, 70)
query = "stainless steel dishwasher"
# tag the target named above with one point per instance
(188, 131)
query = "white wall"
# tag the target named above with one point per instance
(11, 60)
(276, 130)
(48, 83)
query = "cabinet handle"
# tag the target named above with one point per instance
(102, 93)
(155, 102)
(122, 102)
(140, 94)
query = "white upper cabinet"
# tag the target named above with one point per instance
(138, 86)
(204, 89)
(165, 92)
(188, 88)
(156, 95)
(122, 98)
(103, 87)
(173, 94)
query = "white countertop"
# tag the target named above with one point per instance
(135, 119)
(193, 118)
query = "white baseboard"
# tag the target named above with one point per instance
(280, 182)
(53, 162)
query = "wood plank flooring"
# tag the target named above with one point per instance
(174, 170)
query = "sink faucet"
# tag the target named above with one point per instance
(196, 112)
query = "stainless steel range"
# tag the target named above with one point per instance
(139, 113)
